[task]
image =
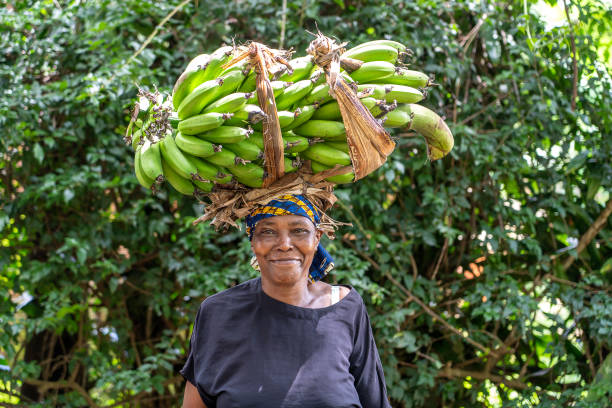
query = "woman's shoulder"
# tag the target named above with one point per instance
(347, 295)
(242, 291)
(325, 289)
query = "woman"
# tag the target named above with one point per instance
(285, 339)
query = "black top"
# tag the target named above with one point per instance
(250, 350)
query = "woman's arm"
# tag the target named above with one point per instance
(366, 367)
(192, 398)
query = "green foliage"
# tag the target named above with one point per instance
(465, 263)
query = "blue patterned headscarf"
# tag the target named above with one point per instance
(294, 204)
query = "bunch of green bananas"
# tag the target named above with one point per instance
(216, 120)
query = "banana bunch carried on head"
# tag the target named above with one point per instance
(209, 131)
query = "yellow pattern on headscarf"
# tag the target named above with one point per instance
(299, 202)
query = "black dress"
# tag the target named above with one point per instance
(250, 350)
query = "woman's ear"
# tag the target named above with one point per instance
(318, 234)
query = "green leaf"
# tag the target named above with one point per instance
(68, 195)
(340, 3)
(406, 341)
(39, 153)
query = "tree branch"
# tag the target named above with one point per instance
(435, 316)
(45, 385)
(408, 294)
(450, 372)
(574, 61)
(155, 31)
(281, 41)
(442, 255)
(590, 233)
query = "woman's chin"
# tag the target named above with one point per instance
(285, 273)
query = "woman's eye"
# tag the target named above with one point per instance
(300, 231)
(267, 232)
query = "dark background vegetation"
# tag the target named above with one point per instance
(487, 274)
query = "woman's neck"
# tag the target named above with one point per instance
(296, 294)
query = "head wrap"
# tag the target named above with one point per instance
(294, 204)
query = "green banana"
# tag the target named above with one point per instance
(218, 58)
(291, 165)
(439, 138)
(396, 119)
(390, 93)
(194, 145)
(403, 94)
(369, 103)
(208, 92)
(257, 139)
(376, 107)
(293, 93)
(225, 158)
(205, 186)
(329, 111)
(278, 87)
(174, 120)
(285, 119)
(175, 158)
(129, 131)
(229, 104)
(193, 103)
(150, 161)
(139, 135)
(340, 179)
(301, 67)
(229, 83)
(326, 129)
(202, 123)
(249, 174)
(295, 143)
(376, 91)
(190, 78)
(380, 109)
(136, 137)
(317, 76)
(226, 134)
(209, 171)
(371, 71)
(343, 146)
(326, 154)
(142, 178)
(249, 83)
(180, 184)
(138, 123)
(406, 77)
(301, 115)
(319, 95)
(249, 114)
(390, 43)
(246, 150)
(373, 52)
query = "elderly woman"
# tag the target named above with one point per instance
(285, 339)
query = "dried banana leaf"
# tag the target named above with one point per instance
(369, 143)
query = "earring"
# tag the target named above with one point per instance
(254, 263)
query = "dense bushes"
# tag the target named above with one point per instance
(487, 274)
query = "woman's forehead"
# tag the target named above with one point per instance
(285, 220)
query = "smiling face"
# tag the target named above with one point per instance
(284, 247)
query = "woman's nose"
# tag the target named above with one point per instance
(284, 241)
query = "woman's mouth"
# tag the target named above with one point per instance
(285, 261)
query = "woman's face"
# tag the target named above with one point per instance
(284, 247)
